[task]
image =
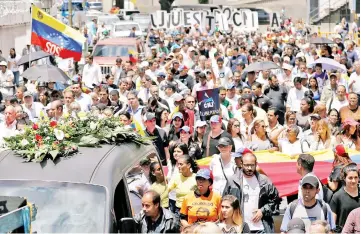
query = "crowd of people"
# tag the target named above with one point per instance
(296, 108)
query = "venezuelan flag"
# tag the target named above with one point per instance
(55, 37)
(131, 56)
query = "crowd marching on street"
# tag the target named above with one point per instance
(298, 107)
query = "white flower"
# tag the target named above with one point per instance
(93, 125)
(24, 142)
(59, 134)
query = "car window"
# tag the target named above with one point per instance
(140, 179)
(95, 4)
(108, 20)
(113, 50)
(126, 27)
(60, 208)
(131, 12)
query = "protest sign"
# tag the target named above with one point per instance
(219, 18)
(275, 20)
(208, 103)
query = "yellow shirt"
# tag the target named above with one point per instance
(161, 188)
(182, 185)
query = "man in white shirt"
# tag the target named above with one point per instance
(339, 101)
(232, 97)
(92, 73)
(32, 108)
(354, 81)
(144, 92)
(117, 70)
(295, 96)
(8, 127)
(83, 99)
(223, 74)
(6, 80)
(152, 71)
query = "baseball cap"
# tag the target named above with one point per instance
(309, 65)
(296, 225)
(311, 180)
(144, 64)
(149, 116)
(186, 129)
(287, 67)
(177, 114)
(182, 67)
(215, 119)
(27, 94)
(247, 96)
(224, 141)
(316, 116)
(240, 152)
(153, 48)
(3, 63)
(200, 123)
(161, 74)
(340, 150)
(350, 121)
(204, 173)
(230, 86)
(202, 76)
(177, 97)
(197, 70)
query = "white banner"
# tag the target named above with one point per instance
(219, 18)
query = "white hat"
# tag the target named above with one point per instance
(300, 54)
(144, 64)
(287, 67)
(200, 123)
(3, 63)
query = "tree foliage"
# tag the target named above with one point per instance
(165, 5)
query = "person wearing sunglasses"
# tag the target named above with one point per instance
(259, 139)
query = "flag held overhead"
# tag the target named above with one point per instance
(55, 37)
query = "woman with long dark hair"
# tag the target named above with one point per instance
(234, 128)
(185, 137)
(341, 158)
(12, 65)
(176, 151)
(158, 182)
(347, 198)
(306, 107)
(176, 124)
(249, 115)
(185, 180)
(334, 120)
(230, 219)
(161, 117)
(313, 87)
(200, 131)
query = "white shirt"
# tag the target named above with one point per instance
(13, 67)
(294, 98)
(92, 74)
(7, 131)
(152, 74)
(293, 148)
(144, 94)
(251, 191)
(34, 110)
(224, 74)
(336, 104)
(116, 71)
(84, 101)
(356, 85)
(234, 102)
(219, 181)
(6, 81)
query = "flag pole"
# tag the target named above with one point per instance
(31, 31)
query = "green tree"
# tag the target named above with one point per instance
(165, 5)
(203, 1)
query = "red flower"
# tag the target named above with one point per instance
(38, 137)
(53, 124)
(35, 127)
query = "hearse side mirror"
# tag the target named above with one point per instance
(128, 225)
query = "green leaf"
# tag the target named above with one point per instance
(54, 153)
(88, 140)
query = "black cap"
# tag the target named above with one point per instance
(224, 141)
(296, 225)
(311, 180)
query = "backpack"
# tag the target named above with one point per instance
(323, 205)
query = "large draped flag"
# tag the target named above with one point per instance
(55, 37)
